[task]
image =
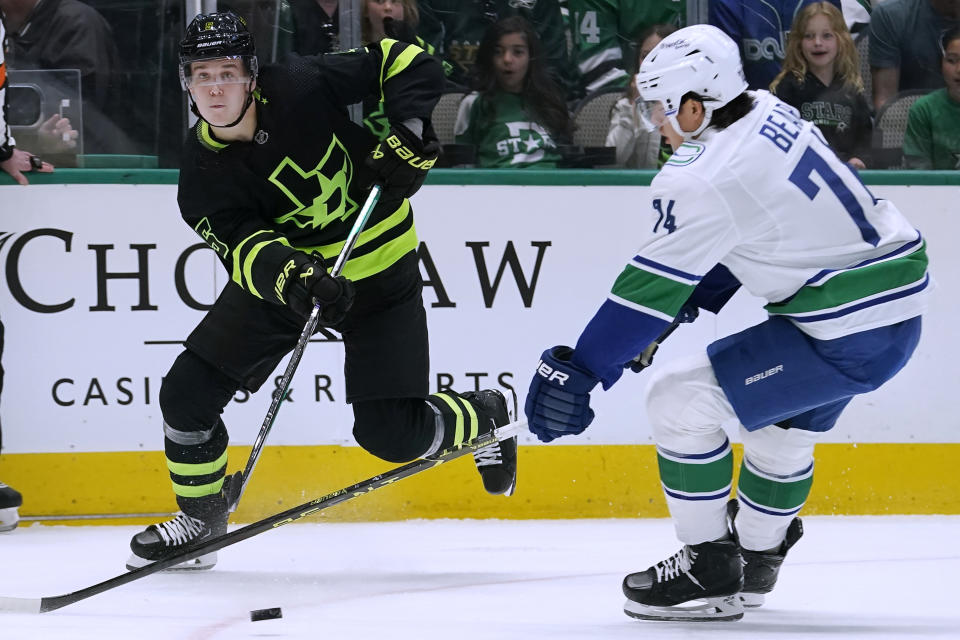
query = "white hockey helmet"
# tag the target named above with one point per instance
(699, 59)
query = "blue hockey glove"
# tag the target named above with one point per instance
(558, 403)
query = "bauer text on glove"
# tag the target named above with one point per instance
(302, 281)
(558, 403)
(401, 160)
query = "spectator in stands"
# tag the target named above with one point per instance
(821, 78)
(904, 53)
(316, 26)
(456, 27)
(932, 140)
(856, 15)
(68, 34)
(760, 29)
(599, 29)
(518, 115)
(636, 147)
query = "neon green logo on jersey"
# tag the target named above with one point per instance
(320, 195)
(206, 232)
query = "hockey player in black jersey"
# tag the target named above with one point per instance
(272, 177)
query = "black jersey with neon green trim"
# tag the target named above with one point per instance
(299, 184)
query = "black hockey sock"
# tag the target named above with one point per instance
(197, 461)
(458, 420)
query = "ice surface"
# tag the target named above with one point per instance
(849, 577)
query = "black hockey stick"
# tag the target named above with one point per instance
(42, 605)
(645, 358)
(240, 479)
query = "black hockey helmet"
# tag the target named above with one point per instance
(217, 35)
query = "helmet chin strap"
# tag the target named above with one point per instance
(690, 135)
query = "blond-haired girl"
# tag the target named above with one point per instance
(821, 78)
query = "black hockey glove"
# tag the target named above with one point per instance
(400, 161)
(302, 281)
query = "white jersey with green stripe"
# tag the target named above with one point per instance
(767, 198)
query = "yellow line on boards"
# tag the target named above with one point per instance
(568, 481)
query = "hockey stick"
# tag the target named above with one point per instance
(42, 605)
(240, 480)
(645, 358)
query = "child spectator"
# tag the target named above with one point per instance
(759, 27)
(932, 140)
(821, 78)
(636, 147)
(518, 113)
(456, 27)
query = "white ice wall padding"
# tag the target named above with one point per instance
(112, 358)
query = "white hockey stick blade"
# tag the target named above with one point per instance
(704, 610)
(19, 605)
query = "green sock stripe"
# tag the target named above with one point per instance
(197, 468)
(788, 494)
(198, 491)
(696, 478)
(454, 405)
(472, 417)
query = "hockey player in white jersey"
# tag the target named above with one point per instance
(753, 196)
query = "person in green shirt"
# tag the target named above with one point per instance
(600, 31)
(932, 140)
(518, 114)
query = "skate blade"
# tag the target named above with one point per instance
(204, 562)
(722, 608)
(8, 519)
(752, 600)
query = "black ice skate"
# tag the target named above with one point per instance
(159, 541)
(761, 568)
(698, 583)
(496, 463)
(10, 500)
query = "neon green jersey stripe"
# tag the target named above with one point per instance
(403, 61)
(207, 139)
(197, 469)
(395, 218)
(651, 290)
(237, 272)
(385, 45)
(855, 284)
(376, 261)
(252, 256)
(198, 491)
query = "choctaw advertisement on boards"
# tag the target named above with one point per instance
(104, 282)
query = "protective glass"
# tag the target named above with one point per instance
(214, 71)
(651, 114)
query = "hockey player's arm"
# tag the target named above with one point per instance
(403, 76)
(689, 237)
(254, 256)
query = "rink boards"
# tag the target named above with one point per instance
(103, 281)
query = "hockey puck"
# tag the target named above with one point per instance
(265, 614)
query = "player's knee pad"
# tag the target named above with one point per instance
(686, 406)
(194, 393)
(396, 430)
